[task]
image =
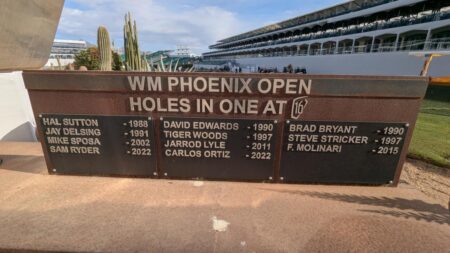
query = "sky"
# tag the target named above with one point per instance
(164, 24)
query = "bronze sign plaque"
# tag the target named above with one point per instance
(99, 145)
(225, 126)
(345, 152)
(236, 149)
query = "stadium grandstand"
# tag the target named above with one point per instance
(370, 36)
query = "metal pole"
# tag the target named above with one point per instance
(353, 46)
(426, 65)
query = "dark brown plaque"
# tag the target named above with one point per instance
(236, 149)
(99, 145)
(175, 101)
(345, 152)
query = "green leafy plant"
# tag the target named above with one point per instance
(117, 62)
(89, 58)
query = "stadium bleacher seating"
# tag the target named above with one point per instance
(377, 25)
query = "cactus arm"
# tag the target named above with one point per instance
(176, 65)
(150, 65)
(170, 66)
(136, 43)
(190, 70)
(162, 64)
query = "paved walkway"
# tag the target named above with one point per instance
(43, 213)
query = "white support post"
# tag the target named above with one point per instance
(373, 44)
(402, 42)
(396, 42)
(427, 44)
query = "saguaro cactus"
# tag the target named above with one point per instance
(104, 48)
(133, 59)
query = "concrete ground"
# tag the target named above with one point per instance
(43, 213)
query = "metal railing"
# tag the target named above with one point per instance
(361, 7)
(341, 32)
(430, 45)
